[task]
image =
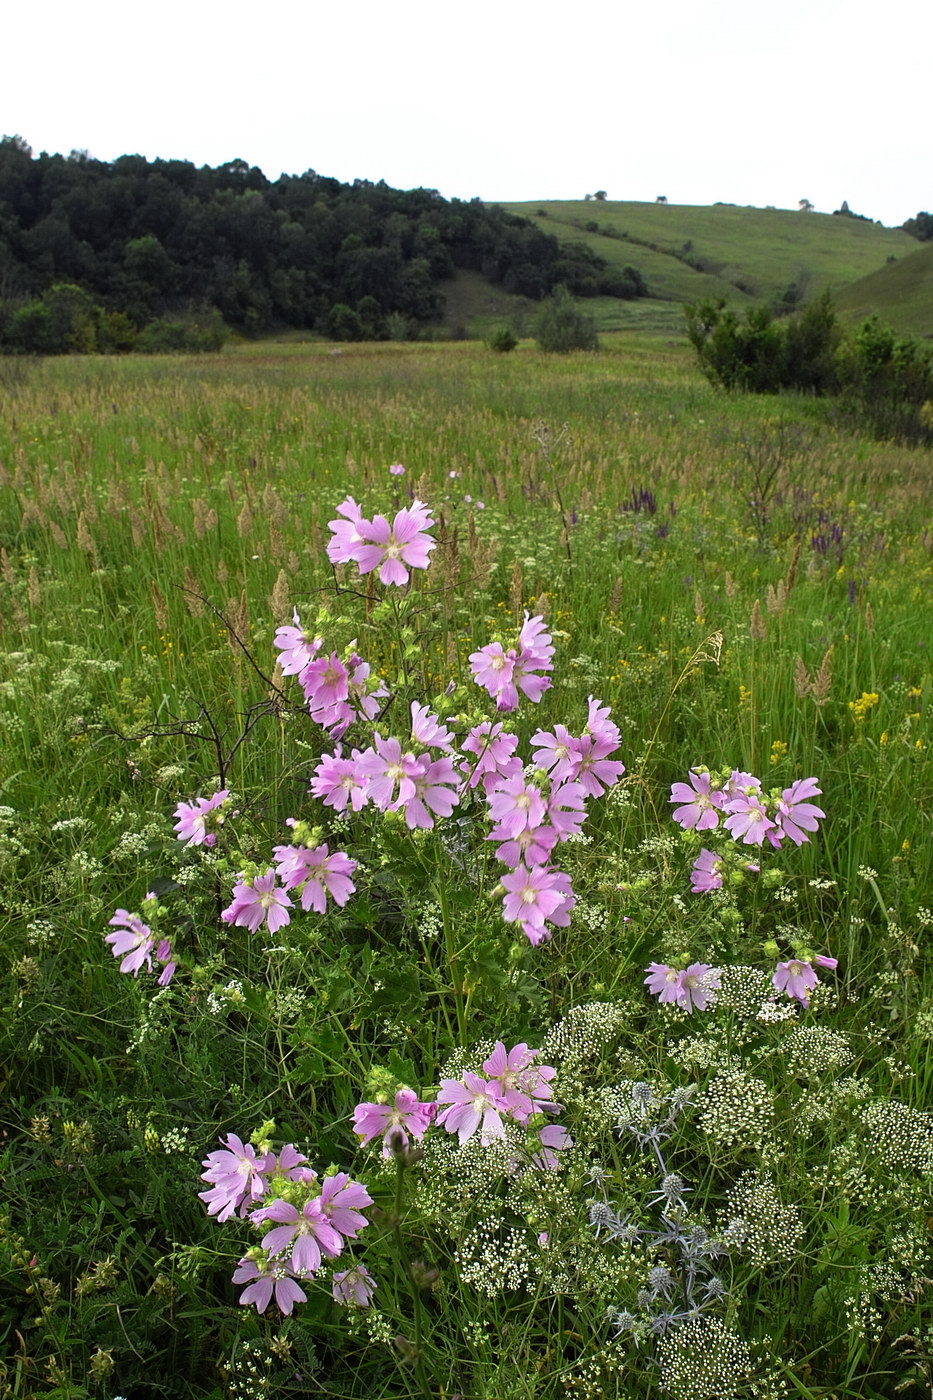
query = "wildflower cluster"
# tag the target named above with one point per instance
(303, 1221)
(737, 801)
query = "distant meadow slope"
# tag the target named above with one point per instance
(688, 252)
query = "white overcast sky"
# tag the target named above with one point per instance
(744, 101)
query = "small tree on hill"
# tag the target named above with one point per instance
(561, 326)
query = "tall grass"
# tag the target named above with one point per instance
(158, 521)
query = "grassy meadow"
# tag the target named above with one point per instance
(741, 1207)
(687, 253)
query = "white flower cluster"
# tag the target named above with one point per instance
(900, 1136)
(759, 1223)
(584, 1032)
(736, 1110)
(495, 1258)
(704, 1360)
(816, 1050)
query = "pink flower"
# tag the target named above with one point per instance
(523, 1084)
(822, 960)
(533, 847)
(386, 769)
(495, 752)
(342, 1201)
(554, 1138)
(264, 1278)
(258, 901)
(595, 772)
(237, 1177)
(433, 791)
(699, 981)
(748, 819)
(133, 941)
(427, 729)
(303, 1234)
(566, 808)
(389, 548)
(192, 824)
(338, 781)
(166, 957)
(396, 469)
(796, 978)
(406, 1115)
(354, 1288)
(492, 668)
(664, 982)
(347, 538)
(318, 872)
(472, 1101)
(700, 805)
(794, 815)
(690, 989)
(298, 647)
(600, 727)
(706, 874)
(556, 753)
(532, 897)
(516, 806)
(326, 684)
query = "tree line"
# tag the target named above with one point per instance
(148, 241)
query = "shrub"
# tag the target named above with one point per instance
(502, 340)
(560, 325)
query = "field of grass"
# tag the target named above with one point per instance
(901, 293)
(740, 1208)
(688, 252)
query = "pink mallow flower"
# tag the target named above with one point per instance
(596, 772)
(132, 941)
(166, 957)
(265, 1279)
(664, 982)
(258, 901)
(388, 772)
(237, 1177)
(523, 1084)
(304, 1235)
(748, 819)
(556, 752)
(706, 874)
(297, 646)
(534, 897)
(432, 792)
(354, 1288)
(407, 1114)
(690, 989)
(346, 532)
(342, 1202)
(496, 758)
(699, 805)
(317, 872)
(390, 548)
(796, 978)
(427, 729)
(516, 806)
(795, 816)
(338, 781)
(192, 825)
(472, 1101)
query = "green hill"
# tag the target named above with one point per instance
(686, 252)
(901, 293)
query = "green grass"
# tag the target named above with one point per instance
(901, 293)
(744, 585)
(744, 255)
